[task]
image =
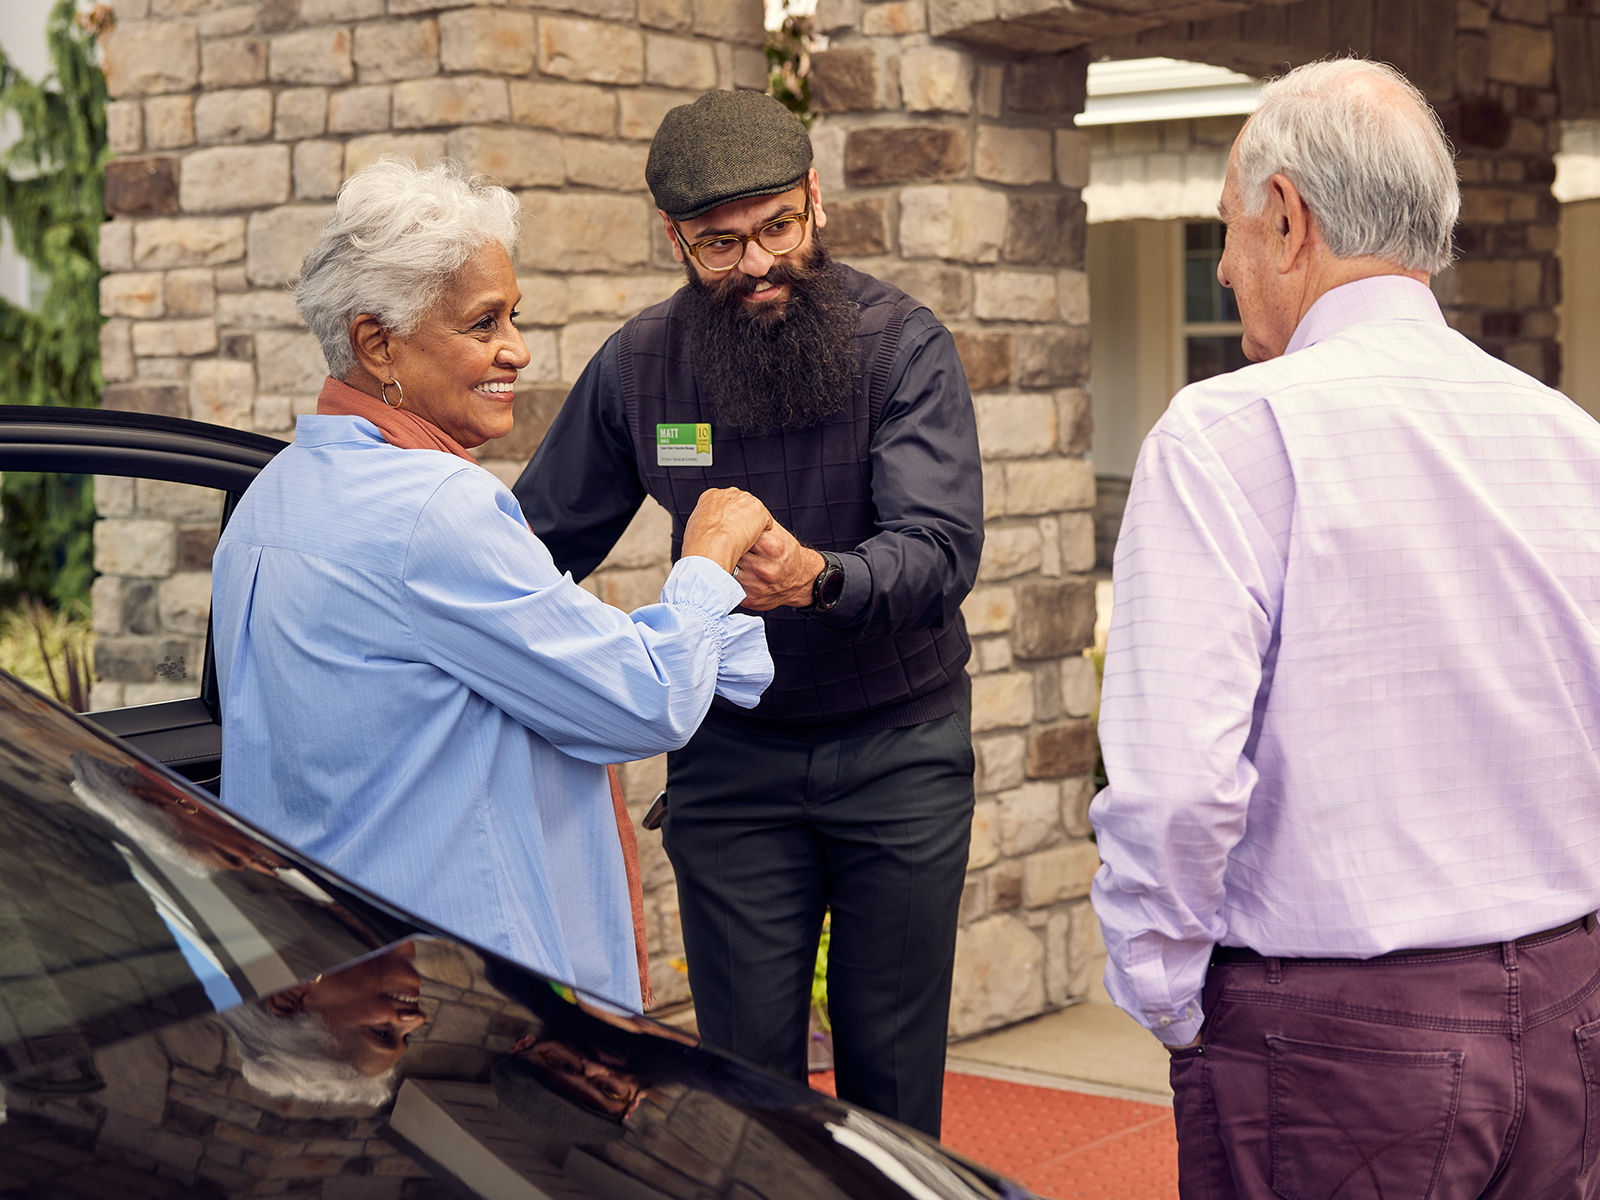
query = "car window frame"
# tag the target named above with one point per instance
(166, 449)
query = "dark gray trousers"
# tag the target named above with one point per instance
(1455, 1075)
(765, 835)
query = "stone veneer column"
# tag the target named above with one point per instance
(233, 125)
(1503, 291)
(958, 178)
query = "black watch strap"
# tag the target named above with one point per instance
(828, 586)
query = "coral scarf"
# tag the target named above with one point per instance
(405, 429)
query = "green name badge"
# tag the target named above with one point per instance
(684, 445)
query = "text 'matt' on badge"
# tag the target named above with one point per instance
(684, 445)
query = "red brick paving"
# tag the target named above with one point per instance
(1063, 1145)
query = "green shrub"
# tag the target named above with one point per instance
(51, 649)
(819, 979)
(51, 195)
(789, 64)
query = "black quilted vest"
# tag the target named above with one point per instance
(818, 484)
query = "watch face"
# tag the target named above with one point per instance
(829, 585)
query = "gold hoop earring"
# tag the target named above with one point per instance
(383, 391)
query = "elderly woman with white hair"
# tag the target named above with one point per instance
(335, 1039)
(412, 693)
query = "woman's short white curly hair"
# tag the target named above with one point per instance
(296, 1057)
(398, 235)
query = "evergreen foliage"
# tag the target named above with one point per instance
(789, 63)
(52, 197)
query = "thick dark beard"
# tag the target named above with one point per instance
(767, 369)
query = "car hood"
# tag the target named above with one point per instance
(187, 1004)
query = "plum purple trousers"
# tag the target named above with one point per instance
(1422, 1075)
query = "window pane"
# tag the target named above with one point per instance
(153, 547)
(1199, 290)
(46, 569)
(1227, 306)
(1208, 356)
(1202, 236)
(1204, 298)
(140, 638)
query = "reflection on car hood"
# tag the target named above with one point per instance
(189, 1009)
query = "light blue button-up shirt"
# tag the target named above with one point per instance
(416, 697)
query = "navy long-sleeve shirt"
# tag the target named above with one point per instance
(582, 487)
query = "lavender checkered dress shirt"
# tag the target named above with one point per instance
(1352, 692)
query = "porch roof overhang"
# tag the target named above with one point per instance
(1051, 26)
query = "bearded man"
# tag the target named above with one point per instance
(839, 401)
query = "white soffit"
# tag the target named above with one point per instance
(1578, 163)
(1164, 89)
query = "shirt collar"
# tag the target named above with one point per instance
(322, 429)
(1376, 298)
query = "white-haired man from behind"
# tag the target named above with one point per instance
(1351, 716)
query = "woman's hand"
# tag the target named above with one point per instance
(724, 524)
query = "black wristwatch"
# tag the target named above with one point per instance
(828, 586)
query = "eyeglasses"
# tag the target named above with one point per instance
(726, 251)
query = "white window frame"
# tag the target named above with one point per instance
(1187, 329)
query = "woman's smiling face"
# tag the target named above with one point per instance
(459, 366)
(371, 1008)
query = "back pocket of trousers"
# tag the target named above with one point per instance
(1588, 1037)
(1348, 1121)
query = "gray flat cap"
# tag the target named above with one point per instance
(725, 146)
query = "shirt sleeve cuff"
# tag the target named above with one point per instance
(1143, 990)
(1174, 1031)
(857, 591)
(744, 666)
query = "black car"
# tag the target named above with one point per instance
(189, 1008)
